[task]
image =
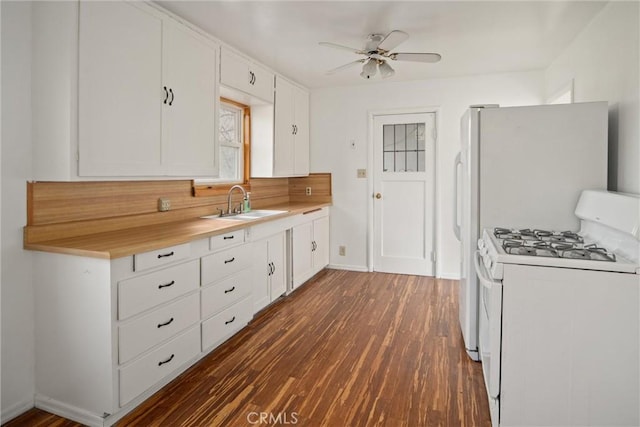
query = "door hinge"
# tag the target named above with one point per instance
(433, 257)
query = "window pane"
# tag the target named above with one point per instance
(400, 137)
(228, 126)
(412, 161)
(388, 162)
(421, 159)
(387, 137)
(421, 136)
(412, 136)
(400, 161)
(229, 163)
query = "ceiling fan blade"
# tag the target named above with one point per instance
(416, 57)
(344, 67)
(339, 46)
(393, 39)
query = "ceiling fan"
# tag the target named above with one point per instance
(378, 50)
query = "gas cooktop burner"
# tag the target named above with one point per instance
(543, 243)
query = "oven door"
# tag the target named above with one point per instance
(490, 317)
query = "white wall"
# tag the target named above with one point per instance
(603, 61)
(17, 290)
(339, 115)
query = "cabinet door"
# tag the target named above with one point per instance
(260, 266)
(302, 258)
(120, 92)
(279, 266)
(189, 115)
(321, 239)
(261, 83)
(283, 129)
(234, 71)
(301, 142)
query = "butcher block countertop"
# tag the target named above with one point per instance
(126, 242)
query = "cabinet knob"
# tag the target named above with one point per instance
(378, 196)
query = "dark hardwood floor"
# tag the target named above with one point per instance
(347, 349)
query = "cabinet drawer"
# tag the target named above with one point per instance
(141, 334)
(225, 263)
(226, 240)
(226, 323)
(141, 293)
(148, 370)
(157, 258)
(225, 293)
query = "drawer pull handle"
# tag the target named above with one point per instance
(230, 290)
(230, 260)
(228, 237)
(230, 321)
(165, 255)
(160, 325)
(171, 283)
(166, 361)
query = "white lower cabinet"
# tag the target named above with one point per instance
(140, 375)
(223, 325)
(310, 245)
(270, 270)
(110, 333)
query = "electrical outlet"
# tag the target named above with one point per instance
(308, 191)
(164, 205)
(342, 250)
(362, 173)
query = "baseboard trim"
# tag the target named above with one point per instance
(16, 410)
(67, 411)
(360, 268)
(449, 276)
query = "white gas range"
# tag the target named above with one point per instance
(559, 318)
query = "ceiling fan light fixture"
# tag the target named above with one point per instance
(385, 70)
(369, 69)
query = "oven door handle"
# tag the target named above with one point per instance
(494, 316)
(482, 272)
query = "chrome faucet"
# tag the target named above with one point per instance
(244, 195)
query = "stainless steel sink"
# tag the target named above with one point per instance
(248, 216)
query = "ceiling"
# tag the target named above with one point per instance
(473, 37)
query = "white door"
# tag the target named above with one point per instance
(403, 183)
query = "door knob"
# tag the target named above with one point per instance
(378, 196)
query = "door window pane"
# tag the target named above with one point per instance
(403, 147)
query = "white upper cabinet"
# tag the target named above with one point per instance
(147, 91)
(189, 120)
(246, 76)
(291, 130)
(120, 81)
(287, 154)
(121, 90)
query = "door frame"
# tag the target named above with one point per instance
(371, 114)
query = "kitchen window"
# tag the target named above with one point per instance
(231, 140)
(234, 139)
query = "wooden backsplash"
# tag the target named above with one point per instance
(66, 209)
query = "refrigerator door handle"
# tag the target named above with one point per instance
(456, 225)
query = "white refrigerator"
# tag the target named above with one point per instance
(520, 166)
